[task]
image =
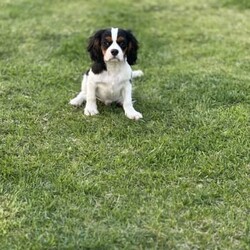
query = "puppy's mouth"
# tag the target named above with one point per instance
(114, 59)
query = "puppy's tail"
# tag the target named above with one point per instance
(137, 73)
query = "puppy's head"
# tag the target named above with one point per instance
(113, 45)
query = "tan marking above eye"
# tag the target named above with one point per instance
(108, 38)
(120, 39)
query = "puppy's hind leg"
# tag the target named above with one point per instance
(137, 73)
(78, 100)
(81, 97)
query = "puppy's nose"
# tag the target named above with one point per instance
(114, 52)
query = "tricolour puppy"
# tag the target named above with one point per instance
(109, 79)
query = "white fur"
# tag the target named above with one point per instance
(112, 85)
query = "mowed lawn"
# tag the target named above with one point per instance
(178, 179)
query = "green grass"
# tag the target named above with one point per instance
(178, 179)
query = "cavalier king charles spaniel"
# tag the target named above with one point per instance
(109, 79)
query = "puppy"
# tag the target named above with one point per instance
(109, 79)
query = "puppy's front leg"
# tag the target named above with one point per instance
(91, 107)
(130, 112)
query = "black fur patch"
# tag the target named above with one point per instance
(94, 49)
(98, 67)
(133, 47)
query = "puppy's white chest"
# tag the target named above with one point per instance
(109, 92)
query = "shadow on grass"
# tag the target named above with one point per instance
(242, 4)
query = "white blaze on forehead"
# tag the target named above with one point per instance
(114, 33)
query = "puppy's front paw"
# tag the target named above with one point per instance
(134, 115)
(90, 110)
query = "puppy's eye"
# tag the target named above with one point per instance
(106, 44)
(122, 44)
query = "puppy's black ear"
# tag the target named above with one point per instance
(94, 46)
(132, 48)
